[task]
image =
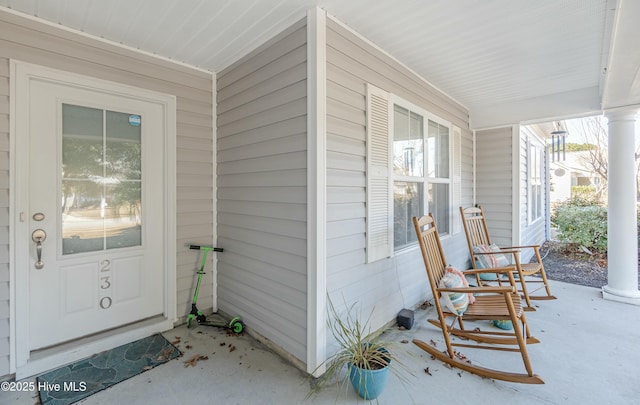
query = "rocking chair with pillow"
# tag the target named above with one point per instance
(491, 303)
(485, 254)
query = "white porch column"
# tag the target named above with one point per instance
(622, 228)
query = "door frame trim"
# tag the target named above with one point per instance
(21, 363)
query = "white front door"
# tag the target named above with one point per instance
(95, 211)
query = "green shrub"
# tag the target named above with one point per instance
(583, 196)
(582, 224)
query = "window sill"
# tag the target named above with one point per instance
(535, 221)
(416, 246)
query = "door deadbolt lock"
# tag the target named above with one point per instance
(38, 236)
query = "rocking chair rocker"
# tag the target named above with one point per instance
(477, 233)
(492, 303)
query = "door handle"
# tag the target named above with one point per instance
(38, 236)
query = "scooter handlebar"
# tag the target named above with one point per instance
(199, 247)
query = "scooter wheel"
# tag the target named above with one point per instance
(236, 326)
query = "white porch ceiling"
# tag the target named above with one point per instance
(507, 61)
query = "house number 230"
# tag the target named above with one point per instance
(105, 284)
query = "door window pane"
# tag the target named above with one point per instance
(101, 187)
(82, 225)
(123, 172)
(122, 215)
(82, 143)
(123, 153)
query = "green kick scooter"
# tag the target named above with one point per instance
(235, 324)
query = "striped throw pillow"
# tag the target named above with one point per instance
(489, 261)
(454, 302)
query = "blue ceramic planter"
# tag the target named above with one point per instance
(368, 383)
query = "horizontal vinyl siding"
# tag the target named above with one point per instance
(387, 285)
(262, 208)
(494, 179)
(30, 41)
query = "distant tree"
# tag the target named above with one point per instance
(579, 147)
(596, 136)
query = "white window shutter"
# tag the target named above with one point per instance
(379, 195)
(456, 181)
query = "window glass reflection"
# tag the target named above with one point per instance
(101, 186)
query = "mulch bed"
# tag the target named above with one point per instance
(563, 264)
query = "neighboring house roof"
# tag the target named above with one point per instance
(574, 162)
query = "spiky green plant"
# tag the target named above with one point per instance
(357, 346)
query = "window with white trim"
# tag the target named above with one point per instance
(535, 159)
(422, 173)
(420, 168)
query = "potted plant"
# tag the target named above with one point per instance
(365, 357)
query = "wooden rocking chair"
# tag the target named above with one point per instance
(493, 303)
(477, 232)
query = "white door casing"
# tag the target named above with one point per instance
(123, 279)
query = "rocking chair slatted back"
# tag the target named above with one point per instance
(477, 233)
(475, 227)
(434, 260)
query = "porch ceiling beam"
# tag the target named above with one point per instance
(622, 79)
(575, 103)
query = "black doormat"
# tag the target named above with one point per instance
(83, 378)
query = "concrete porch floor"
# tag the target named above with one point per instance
(589, 354)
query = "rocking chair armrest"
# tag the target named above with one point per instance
(521, 247)
(501, 251)
(508, 269)
(472, 290)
